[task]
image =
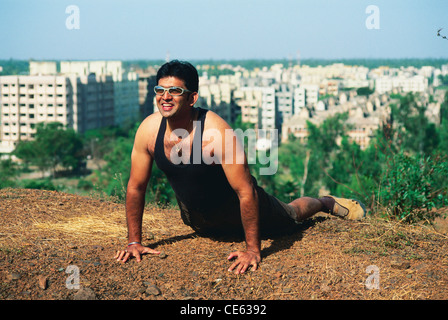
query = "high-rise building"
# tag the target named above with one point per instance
(125, 86)
(89, 95)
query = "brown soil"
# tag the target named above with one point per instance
(43, 234)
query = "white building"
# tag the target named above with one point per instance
(125, 86)
(249, 100)
(43, 68)
(84, 68)
(79, 99)
(299, 99)
(268, 111)
(416, 83)
(80, 103)
(285, 102)
(28, 100)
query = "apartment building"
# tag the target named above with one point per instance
(28, 100)
(80, 103)
(362, 129)
(80, 100)
(285, 101)
(249, 100)
(125, 86)
(268, 111)
(297, 126)
(146, 95)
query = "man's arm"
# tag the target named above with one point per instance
(141, 167)
(237, 172)
(242, 184)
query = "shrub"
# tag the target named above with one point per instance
(412, 186)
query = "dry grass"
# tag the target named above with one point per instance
(34, 213)
(42, 232)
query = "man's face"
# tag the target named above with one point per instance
(171, 106)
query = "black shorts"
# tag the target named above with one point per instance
(276, 217)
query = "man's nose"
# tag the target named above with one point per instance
(166, 96)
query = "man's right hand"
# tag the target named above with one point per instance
(134, 250)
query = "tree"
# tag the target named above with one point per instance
(443, 128)
(412, 185)
(364, 91)
(323, 145)
(413, 131)
(52, 147)
(8, 173)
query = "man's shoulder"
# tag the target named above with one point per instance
(213, 120)
(147, 131)
(151, 123)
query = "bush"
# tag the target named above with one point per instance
(43, 184)
(412, 186)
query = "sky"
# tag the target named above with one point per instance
(224, 29)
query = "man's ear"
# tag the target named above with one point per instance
(194, 96)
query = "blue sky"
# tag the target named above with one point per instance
(225, 29)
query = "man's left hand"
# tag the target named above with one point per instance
(244, 259)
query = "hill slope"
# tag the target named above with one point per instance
(43, 234)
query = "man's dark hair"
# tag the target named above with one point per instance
(182, 70)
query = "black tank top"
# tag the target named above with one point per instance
(199, 186)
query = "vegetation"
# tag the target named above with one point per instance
(400, 175)
(54, 147)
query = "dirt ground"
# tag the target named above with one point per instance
(50, 242)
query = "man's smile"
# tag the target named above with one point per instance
(167, 106)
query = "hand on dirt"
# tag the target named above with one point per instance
(244, 259)
(135, 250)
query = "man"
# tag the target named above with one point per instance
(215, 196)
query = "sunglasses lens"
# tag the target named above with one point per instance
(159, 90)
(175, 91)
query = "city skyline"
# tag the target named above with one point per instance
(49, 29)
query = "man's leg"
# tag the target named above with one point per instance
(306, 207)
